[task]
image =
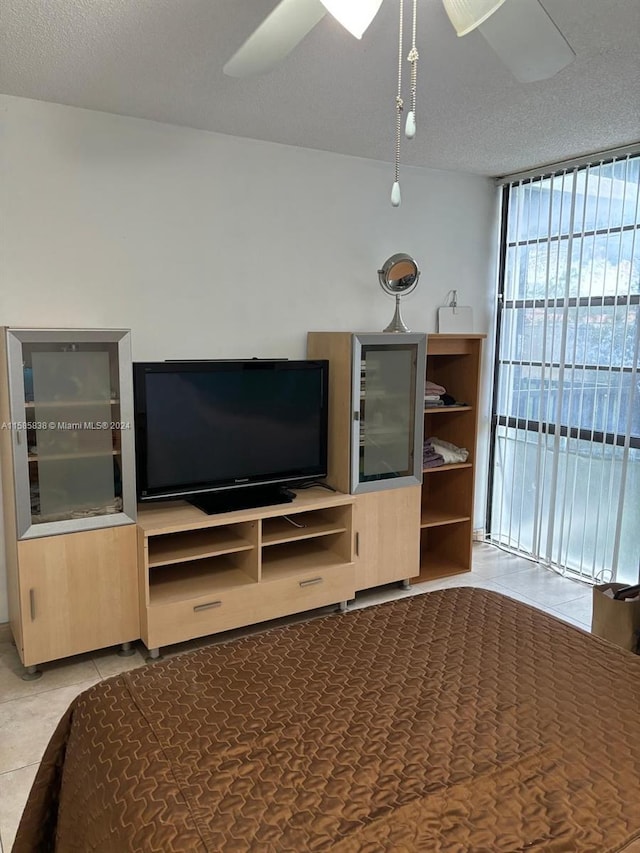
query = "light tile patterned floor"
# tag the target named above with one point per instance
(29, 711)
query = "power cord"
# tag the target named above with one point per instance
(291, 521)
(316, 483)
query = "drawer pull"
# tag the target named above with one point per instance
(208, 606)
(32, 604)
(311, 582)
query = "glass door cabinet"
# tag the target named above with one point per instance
(376, 424)
(70, 398)
(388, 395)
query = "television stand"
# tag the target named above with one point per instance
(245, 498)
(204, 574)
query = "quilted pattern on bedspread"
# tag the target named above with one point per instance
(454, 722)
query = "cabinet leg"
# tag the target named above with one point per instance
(126, 650)
(343, 606)
(31, 673)
(154, 654)
(406, 583)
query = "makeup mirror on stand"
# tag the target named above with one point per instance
(398, 276)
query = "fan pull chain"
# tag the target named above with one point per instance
(396, 197)
(410, 126)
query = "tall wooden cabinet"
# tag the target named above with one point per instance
(376, 383)
(68, 490)
(446, 523)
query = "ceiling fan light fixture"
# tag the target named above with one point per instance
(354, 15)
(466, 15)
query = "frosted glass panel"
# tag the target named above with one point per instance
(71, 443)
(586, 505)
(71, 376)
(387, 412)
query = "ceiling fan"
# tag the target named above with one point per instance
(520, 31)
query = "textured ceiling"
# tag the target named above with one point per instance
(162, 60)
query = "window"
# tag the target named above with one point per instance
(566, 419)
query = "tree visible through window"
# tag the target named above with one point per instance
(566, 438)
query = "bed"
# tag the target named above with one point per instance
(455, 721)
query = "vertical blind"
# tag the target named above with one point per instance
(566, 419)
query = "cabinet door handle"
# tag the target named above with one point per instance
(311, 582)
(357, 544)
(208, 606)
(32, 604)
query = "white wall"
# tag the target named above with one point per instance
(207, 245)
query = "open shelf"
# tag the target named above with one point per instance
(445, 549)
(195, 545)
(431, 410)
(190, 580)
(276, 531)
(433, 517)
(446, 499)
(451, 467)
(435, 568)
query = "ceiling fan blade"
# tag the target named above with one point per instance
(466, 15)
(276, 37)
(527, 40)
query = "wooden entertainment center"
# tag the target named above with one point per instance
(78, 581)
(202, 574)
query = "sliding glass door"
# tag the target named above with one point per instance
(566, 421)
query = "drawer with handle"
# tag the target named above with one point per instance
(305, 591)
(208, 614)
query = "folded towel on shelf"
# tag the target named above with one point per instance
(449, 452)
(433, 400)
(434, 388)
(430, 458)
(433, 463)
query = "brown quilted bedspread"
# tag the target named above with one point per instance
(455, 721)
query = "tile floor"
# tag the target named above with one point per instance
(29, 711)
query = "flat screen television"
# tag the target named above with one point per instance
(229, 434)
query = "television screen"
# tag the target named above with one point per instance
(207, 426)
